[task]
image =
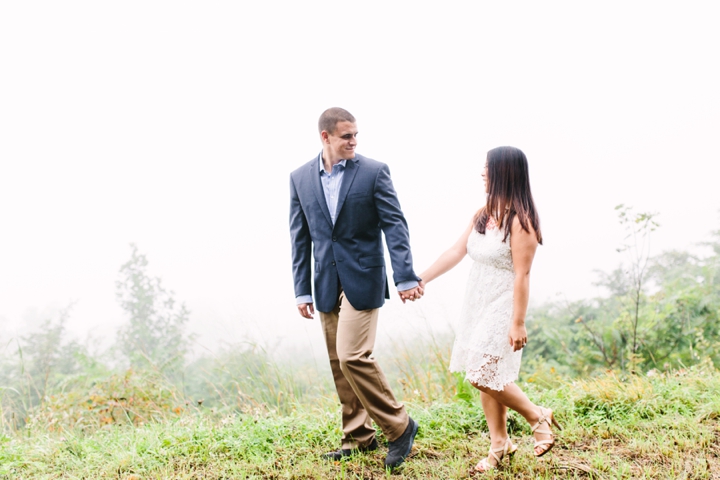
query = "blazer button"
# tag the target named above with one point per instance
(334, 239)
(333, 263)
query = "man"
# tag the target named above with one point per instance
(340, 204)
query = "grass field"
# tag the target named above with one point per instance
(663, 426)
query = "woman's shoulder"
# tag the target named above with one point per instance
(517, 229)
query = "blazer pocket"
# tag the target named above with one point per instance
(373, 261)
(358, 194)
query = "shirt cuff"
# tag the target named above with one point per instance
(303, 299)
(402, 286)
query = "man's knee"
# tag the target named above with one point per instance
(350, 360)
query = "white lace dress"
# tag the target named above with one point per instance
(482, 349)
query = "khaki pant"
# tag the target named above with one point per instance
(361, 385)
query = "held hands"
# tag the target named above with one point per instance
(306, 310)
(517, 337)
(414, 293)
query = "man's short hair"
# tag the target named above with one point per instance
(330, 118)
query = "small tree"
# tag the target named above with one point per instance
(155, 333)
(636, 245)
(609, 331)
(35, 365)
(675, 325)
(46, 355)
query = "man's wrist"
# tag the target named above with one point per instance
(302, 299)
(407, 285)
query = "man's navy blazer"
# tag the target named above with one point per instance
(350, 253)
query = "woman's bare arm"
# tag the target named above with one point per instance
(523, 246)
(449, 258)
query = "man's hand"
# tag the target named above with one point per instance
(412, 294)
(306, 310)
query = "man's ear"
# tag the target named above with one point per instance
(324, 135)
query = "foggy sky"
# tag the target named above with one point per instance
(174, 125)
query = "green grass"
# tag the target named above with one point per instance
(664, 426)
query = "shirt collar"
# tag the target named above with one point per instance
(322, 166)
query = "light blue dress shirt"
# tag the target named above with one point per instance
(331, 183)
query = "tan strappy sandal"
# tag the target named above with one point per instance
(546, 416)
(507, 450)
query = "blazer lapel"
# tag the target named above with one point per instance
(317, 188)
(351, 169)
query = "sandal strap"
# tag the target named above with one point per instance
(538, 428)
(543, 419)
(505, 449)
(483, 466)
(494, 453)
(546, 418)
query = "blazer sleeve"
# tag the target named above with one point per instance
(394, 226)
(301, 245)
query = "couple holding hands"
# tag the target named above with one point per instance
(340, 205)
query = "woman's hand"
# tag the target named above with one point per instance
(517, 337)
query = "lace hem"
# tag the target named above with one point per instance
(491, 373)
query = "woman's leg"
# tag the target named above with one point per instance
(496, 416)
(513, 397)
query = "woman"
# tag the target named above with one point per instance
(501, 239)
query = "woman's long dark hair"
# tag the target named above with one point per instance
(508, 192)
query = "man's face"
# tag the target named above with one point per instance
(342, 142)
